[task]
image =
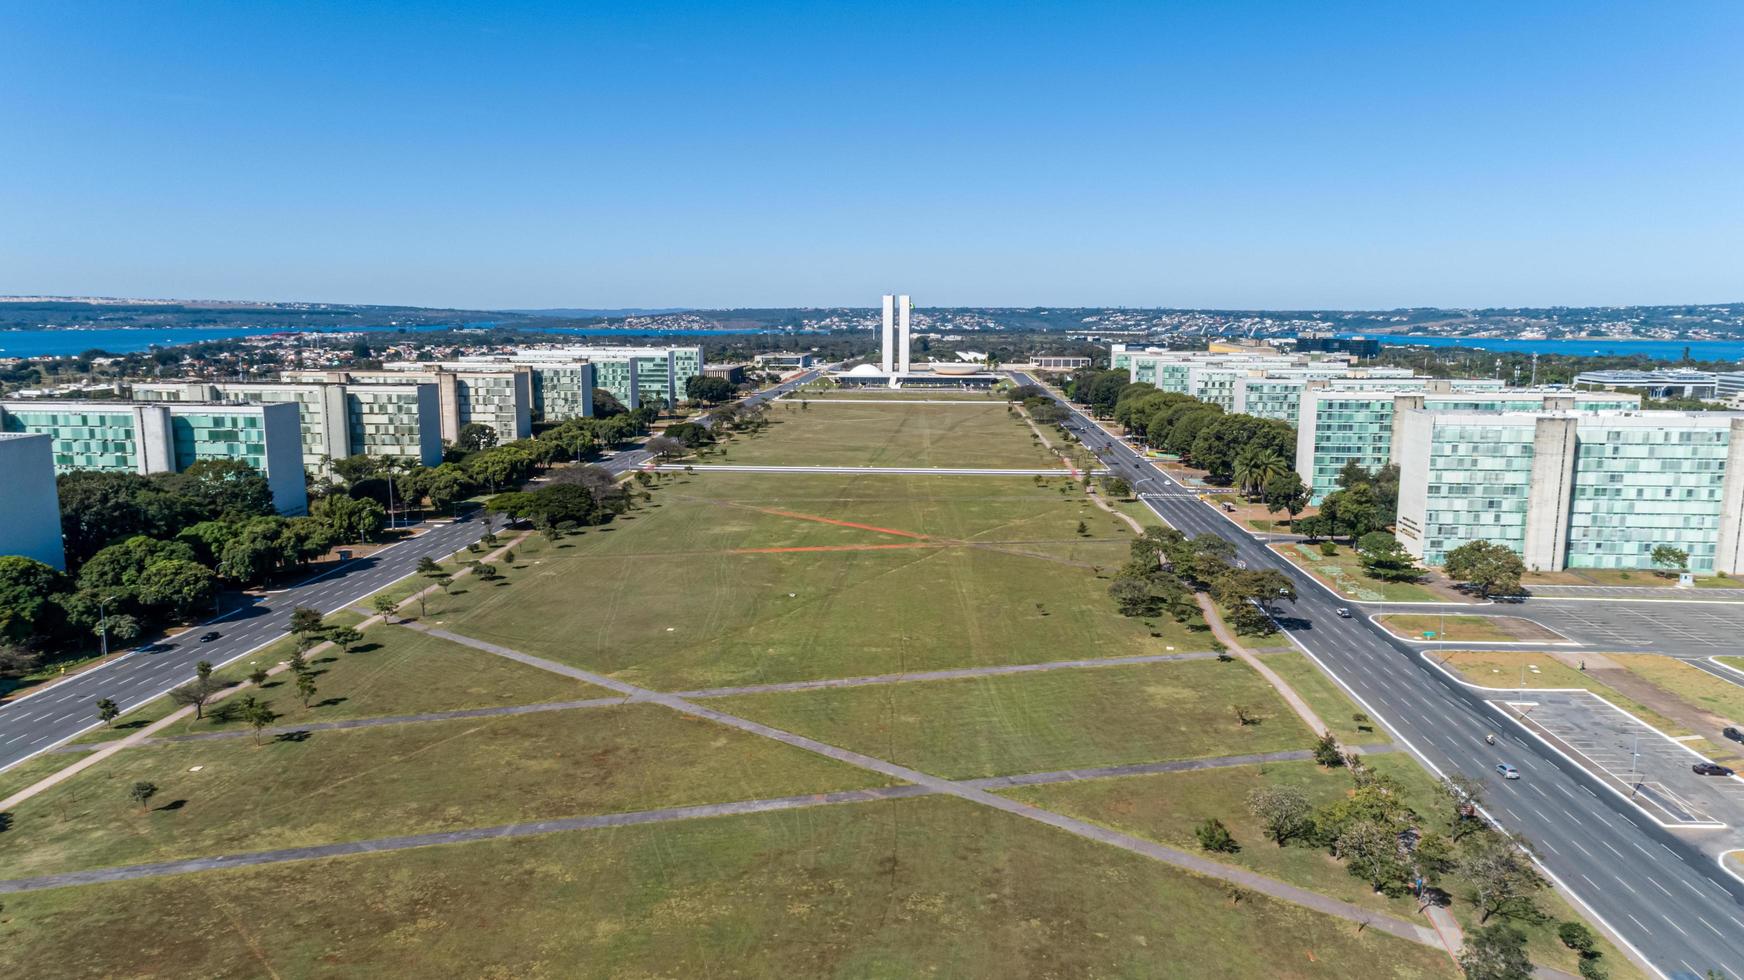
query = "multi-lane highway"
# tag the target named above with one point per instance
(1662, 894)
(39, 721)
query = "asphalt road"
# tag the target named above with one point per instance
(44, 719)
(1660, 892)
(1673, 627)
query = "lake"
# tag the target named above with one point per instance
(1663, 350)
(120, 340)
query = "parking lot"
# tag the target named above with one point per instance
(1631, 757)
(1684, 629)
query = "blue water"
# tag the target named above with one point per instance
(120, 340)
(1663, 350)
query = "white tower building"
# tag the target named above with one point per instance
(886, 349)
(902, 328)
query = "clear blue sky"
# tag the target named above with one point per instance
(749, 154)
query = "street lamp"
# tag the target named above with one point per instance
(103, 614)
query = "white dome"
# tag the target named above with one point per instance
(864, 370)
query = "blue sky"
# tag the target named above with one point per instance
(1275, 155)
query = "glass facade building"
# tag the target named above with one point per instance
(1568, 489)
(168, 438)
(337, 420)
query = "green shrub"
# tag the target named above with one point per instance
(1328, 549)
(1214, 836)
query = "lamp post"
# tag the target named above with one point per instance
(103, 614)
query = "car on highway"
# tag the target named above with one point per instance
(1507, 771)
(1733, 734)
(1710, 769)
(209, 637)
(1343, 613)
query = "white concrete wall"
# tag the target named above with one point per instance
(30, 512)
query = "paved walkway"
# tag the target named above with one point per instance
(663, 815)
(713, 692)
(1667, 592)
(1228, 639)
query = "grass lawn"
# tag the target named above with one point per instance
(1639, 577)
(1697, 687)
(1166, 807)
(1344, 572)
(1470, 629)
(1736, 663)
(1063, 719)
(894, 395)
(397, 671)
(403, 779)
(38, 767)
(903, 888)
(708, 589)
(894, 434)
(1326, 698)
(267, 657)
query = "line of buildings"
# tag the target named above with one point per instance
(300, 423)
(1567, 477)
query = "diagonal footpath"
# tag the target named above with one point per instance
(1151, 849)
(664, 815)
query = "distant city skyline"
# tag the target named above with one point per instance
(1244, 156)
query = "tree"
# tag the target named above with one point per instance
(1371, 852)
(121, 627)
(178, 589)
(1132, 596)
(257, 676)
(196, 694)
(108, 711)
(1383, 557)
(1285, 492)
(1492, 569)
(141, 793)
(1326, 751)
(26, 588)
(1353, 512)
(1283, 810)
(1464, 795)
(345, 637)
(1114, 486)
(1214, 836)
(259, 714)
(485, 571)
(1495, 952)
(1256, 466)
(1576, 936)
(666, 448)
(306, 688)
(709, 391)
(222, 487)
(384, 605)
(1670, 557)
(428, 566)
(305, 620)
(17, 661)
(350, 518)
(475, 436)
(1501, 876)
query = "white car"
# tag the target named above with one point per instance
(1507, 771)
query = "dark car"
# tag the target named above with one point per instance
(1710, 769)
(1733, 734)
(209, 637)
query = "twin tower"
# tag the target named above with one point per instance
(895, 336)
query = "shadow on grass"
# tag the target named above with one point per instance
(297, 736)
(330, 702)
(172, 806)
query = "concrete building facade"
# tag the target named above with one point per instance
(1568, 489)
(632, 375)
(895, 336)
(498, 396)
(30, 508)
(135, 437)
(1346, 420)
(338, 420)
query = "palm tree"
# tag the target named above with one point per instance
(1254, 466)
